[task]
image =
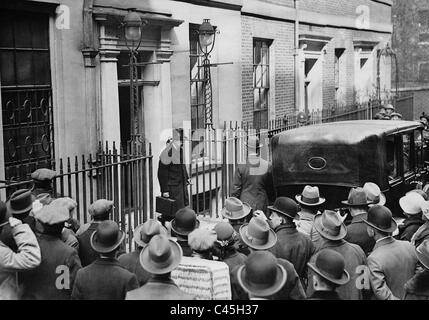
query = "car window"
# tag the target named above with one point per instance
(418, 148)
(406, 142)
(392, 159)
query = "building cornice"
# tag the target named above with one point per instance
(235, 5)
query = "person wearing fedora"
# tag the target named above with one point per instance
(291, 245)
(142, 235)
(392, 262)
(225, 247)
(173, 176)
(160, 257)
(19, 205)
(182, 225)
(100, 210)
(330, 226)
(237, 214)
(42, 282)
(105, 278)
(258, 236)
(43, 182)
(27, 257)
(310, 202)
(253, 181)
(202, 241)
(417, 288)
(411, 205)
(261, 276)
(357, 203)
(422, 232)
(329, 274)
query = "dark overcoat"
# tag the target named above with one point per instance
(409, 227)
(158, 289)
(104, 279)
(87, 255)
(417, 288)
(131, 262)
(357, 234)
(54, 278)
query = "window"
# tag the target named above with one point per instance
(406, 151)
(418, 148)
(424, 71)
(391, 159)
(423, 16)
(339, 75)
(261, 83)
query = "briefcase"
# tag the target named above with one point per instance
(166, 206)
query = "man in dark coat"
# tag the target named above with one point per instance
(182, 225)
(417, 288)
(100, 211)
(19, 206)
(172, 173)
(142, 235)
(258, 236)
(411, 205)
(357, 203)
(329, 274)
(160, 257)
(253, 182)
(54, 278)
(330, 226)
(43, 182)
(105, 278)
(291, 245)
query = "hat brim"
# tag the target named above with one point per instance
(2, 224)
(424, 259)
(242, 213)
(137, 231)
(321, 201)
(346, 202)
(391, 229)
(272, 239)
(182, 232)
(22, 211)
(281, 277)
(98, 247)
(319, 228)
(172, 263)
(272, 208)
(345, 277)
(380, 202)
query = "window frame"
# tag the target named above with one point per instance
(261, 109)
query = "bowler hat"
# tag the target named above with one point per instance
(330, 225)
(380, 218)
(185, 222)
(330, 265)
(411, 203)
(145, 231)
(374, 194)
(161, 255)
(3, 214)
(100, 207)
(235, 209)
(310, 196)
(389, 106)
(107, 237)
(357, 197)
(257, 234)
(261, 275)
(20, 202)
(395, 114)
(285, 206)
(43, 174)
(422, 252)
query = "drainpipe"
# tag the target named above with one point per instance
(296, 60)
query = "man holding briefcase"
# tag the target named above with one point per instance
(173, 176)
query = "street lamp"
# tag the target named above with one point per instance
(206, 42)
(133, 37)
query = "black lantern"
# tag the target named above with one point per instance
(133, 29)
(206, 37)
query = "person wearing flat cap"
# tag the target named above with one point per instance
(411, 205)
(105, 278)
(261, 276)
(42, 181)
(182, 225)
(291, 245)
(19, 206)
(202, 241)
(329, 274)
(42, 282)
(100, 211)
(417, 288)
(392, 262)
(160, 257)
(258, 236)
(141, 236)
(330, 226)
(27, 257)
(358, 203)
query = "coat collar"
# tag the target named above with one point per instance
(106, 261)
(304, 215)
(359, 218)
(287, 228)
(383, 242)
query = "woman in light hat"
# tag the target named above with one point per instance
(411, 206)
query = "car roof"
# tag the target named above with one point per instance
(352, 131)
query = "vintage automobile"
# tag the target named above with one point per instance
(340, 155)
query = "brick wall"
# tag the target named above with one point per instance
(281, 57)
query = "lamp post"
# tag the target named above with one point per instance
(133, 37)
(206, 42)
